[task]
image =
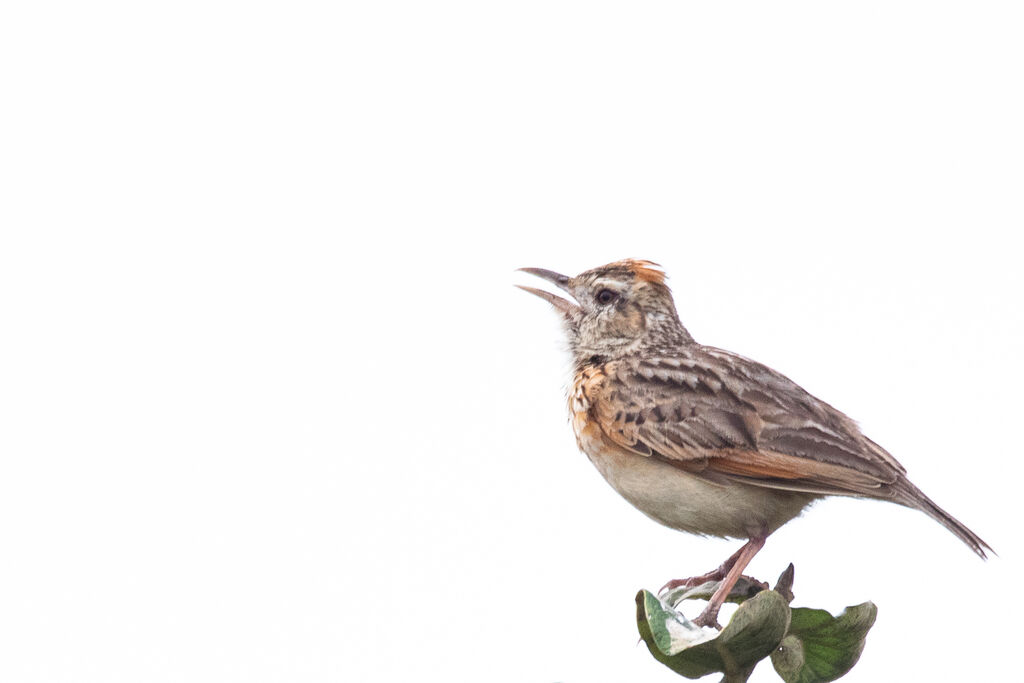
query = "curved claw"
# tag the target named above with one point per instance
(692, 582)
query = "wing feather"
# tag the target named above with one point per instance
(711, 411)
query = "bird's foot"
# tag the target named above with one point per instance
(714, 575)
(745, 587)
(727, 577)
(693, 581)
(708, 618)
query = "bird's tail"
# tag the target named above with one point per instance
(911, 496)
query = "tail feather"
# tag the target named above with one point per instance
(911, 496)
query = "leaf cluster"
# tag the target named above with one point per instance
(805, 645)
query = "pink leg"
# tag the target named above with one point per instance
(713, 575)
(709, 617)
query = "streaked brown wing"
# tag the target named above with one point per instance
(722, 415)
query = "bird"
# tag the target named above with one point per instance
(700, 439)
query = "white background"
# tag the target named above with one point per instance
(272, 410)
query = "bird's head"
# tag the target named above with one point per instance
(617, 309)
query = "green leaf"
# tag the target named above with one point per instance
(753, 633)
(820, 647)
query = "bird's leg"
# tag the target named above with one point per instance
(709, 617)
(714, 575)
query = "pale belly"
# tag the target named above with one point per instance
(687, 502)
(676, 498)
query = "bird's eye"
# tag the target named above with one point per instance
(605, 296)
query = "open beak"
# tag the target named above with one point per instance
(569, 308)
